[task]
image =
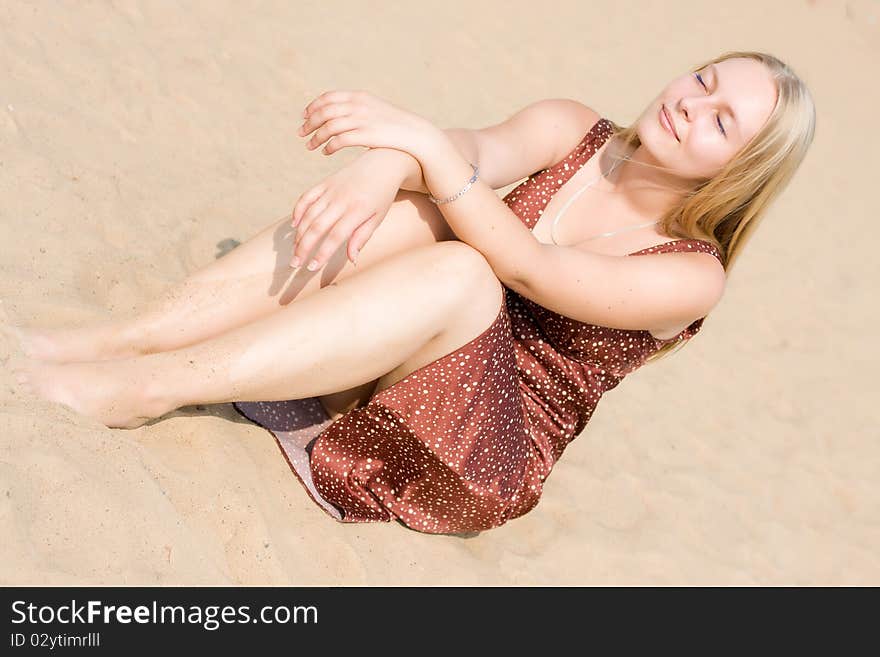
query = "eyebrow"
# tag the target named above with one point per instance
(729, 108)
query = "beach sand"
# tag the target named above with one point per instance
(137, 137)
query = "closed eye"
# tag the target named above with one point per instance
(718, 119)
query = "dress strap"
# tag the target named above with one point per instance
(684, 244)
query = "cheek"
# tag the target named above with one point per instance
(707, 155)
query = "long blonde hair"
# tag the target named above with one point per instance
(727, 209)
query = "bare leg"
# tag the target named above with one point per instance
(382, 323)
(246, 284)
(250, 282)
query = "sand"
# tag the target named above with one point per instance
(135, 137)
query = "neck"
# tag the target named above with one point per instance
(638, 183)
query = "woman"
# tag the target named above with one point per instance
(396, 386)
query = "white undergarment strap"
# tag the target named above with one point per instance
(575, 196)
(623, 230)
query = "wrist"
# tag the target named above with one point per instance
(432, 144)
(426, 151)
(401, 166)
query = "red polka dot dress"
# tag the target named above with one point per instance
(466, 442)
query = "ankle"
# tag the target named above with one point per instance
(131, 340)
(157, 399)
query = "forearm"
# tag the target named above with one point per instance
(407, 168)
(478, 217)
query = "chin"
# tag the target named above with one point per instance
(651, 142)
(651, 135)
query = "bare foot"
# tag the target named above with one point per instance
(109, 392)
(73, 345)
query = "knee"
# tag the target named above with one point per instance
(462, 256)
(466, 265)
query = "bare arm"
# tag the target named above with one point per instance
(535, 137)
(656, 292)
(404, 166)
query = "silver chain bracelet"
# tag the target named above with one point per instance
(466, 187)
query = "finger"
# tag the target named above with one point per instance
(314, 104)
(312, 213)
(314, 235)
(362, 136)
(324, 114)
(361, 236)
(304, 202)
(332, 128)
(335, 237)
(356, 137)
(327, 97)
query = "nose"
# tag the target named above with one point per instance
(691, 106)
(686, 108)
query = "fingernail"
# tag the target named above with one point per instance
(295, 262)
(313, 265)
(305, 114)
(354, 258)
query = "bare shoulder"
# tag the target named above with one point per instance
(534, 138)
(700, 277)
(671, 290)
(571, 121)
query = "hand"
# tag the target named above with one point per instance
(350, 204)
(357, 118)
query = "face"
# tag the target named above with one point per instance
(713, 122)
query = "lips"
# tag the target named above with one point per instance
(670, 125)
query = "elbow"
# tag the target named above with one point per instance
(516, 281)
(517, 275)
(525, 266)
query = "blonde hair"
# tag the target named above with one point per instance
(726, 209)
